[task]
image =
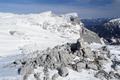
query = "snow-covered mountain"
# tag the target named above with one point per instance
(47, 46)
(108, 28)
(115, 21)
(34, 31)
(114, 30)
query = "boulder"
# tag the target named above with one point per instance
(62, 71)
(92, 66)
(55, 76)
(117, 76)
(80, 66)
(37, 76)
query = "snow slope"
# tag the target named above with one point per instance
(33, 31)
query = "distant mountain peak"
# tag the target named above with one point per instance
(115, 20)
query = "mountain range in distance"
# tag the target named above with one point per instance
(107, 28)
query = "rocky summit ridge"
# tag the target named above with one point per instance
(54, 63)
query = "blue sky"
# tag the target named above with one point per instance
(85, 8)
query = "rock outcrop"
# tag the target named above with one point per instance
(89, 36)
(76, 56)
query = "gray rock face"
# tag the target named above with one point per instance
(85, 50)
(89, 36)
